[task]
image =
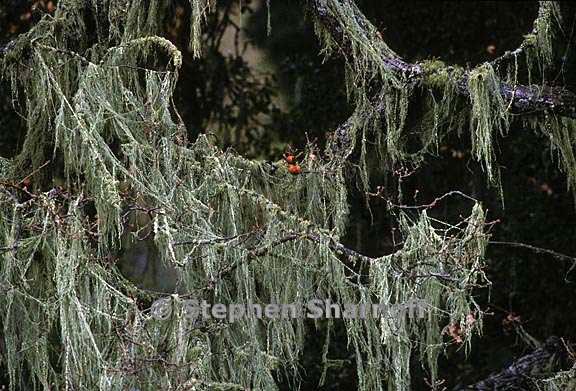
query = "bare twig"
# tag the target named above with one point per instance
(538, 250)
(431, 204)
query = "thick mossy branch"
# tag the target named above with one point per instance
(382, 102)
(526, 100)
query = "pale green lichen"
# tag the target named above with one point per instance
(538, 45)
(544, 26)
(366, 59)
(489, 115)
(199, 10)
(561, 132)
(562, 381)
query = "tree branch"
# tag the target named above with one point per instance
(523, 99)
(350, 254)
(542, 362)
(537, 250)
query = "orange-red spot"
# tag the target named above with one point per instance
(294, 169)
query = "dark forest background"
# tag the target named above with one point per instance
(297, 95)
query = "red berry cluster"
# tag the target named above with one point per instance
(293, 167)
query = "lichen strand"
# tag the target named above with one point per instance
(545, 26)
(367, 65)
(561, 132)
(537, 46)
(199, 10)
(488, 115)
(443, 109)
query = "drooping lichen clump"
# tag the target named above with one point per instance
(488, 114)
(539, 44)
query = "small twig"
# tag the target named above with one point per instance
(538, 250)
(35, 171)
(200, 242)
(23, 189)
(433, 203)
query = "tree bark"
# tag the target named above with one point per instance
(520, 375)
